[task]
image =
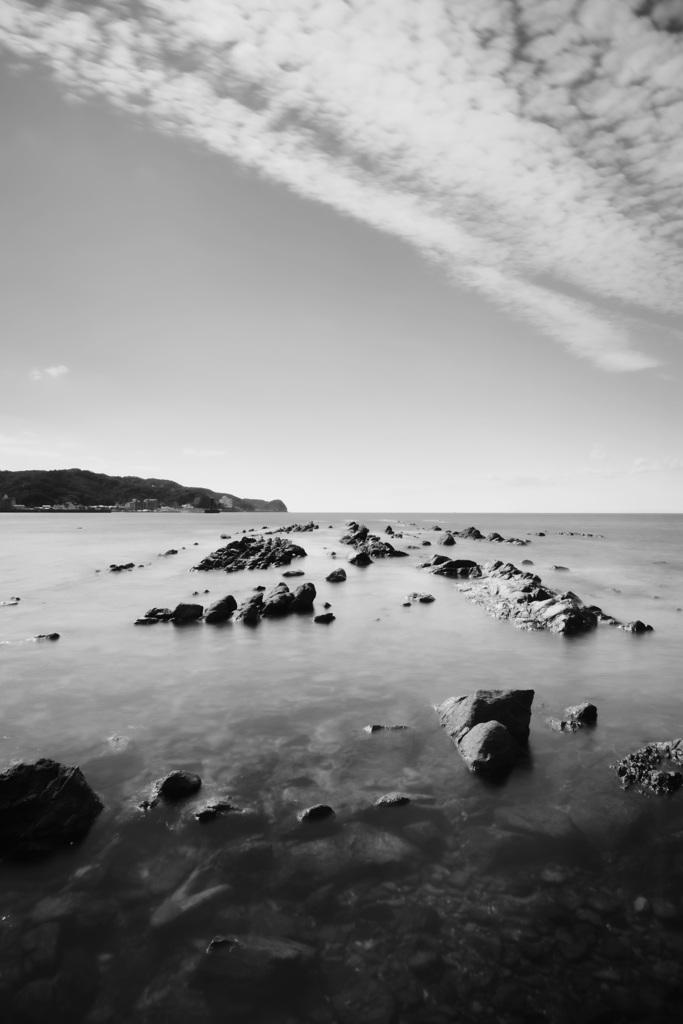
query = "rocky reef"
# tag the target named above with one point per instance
(256, 552)
(368, 545)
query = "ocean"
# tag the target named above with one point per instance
(550, 896)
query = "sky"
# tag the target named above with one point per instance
(374, 255)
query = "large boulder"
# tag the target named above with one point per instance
(512, 708)
(43, 806)
(488, 747)
(220, 611)
(278, 602)
(187, 612)
(303, 598)
(249, 611)
(448, 540)
(458, 568)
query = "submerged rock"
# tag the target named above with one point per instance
(248, 960)
(643, 768)
(178, 784)
(385, 728)
(356, 847)
(392, 800)
(44, 805)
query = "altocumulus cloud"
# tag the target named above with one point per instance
(519, 143)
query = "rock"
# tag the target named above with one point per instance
(318, 812)
(171, 551)
(294, 572)
(489, 748)
(437, 528)
(539, 820)
(187, 612)
(359, 999)
(221, 610)
(457, 567)
(421, 597)
(255, 552)
(361, 558)
(216, 809)
(448, 540)
(159, 614)
(392, 800)
(338, 576)
(389, 530)
(327, 605)
(43, 806)
(46, 636)
(636, 627)
(183, 900)
(249, 611)
(325, 618)
(251, 960)
(303, 598)
(584, 714)
(527, 561)
(471, 533)
(179, 784)
(278, 602)
(512, 708)
(642, 768)
(385, 728)
(426, 543)
(559, 568)
(354, 848)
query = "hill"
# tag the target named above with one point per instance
(35, 487)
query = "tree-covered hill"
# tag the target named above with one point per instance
(34, 487)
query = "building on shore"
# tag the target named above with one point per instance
(6, 504)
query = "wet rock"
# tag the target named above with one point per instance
(463, 568)
(421, 597)
(512, 708)
(489, 748)
(426, 543)
(539, 820)
(437, 528)
(179, 784)
(159, 614)
(559, 568)
(249, 612)
(171, 551)
(385, 728)
(471, 533)
(278, 602)
(337, 576)
(585, 713)
(293, 572)
(389, 530)
(325, 618)
(128, 565)
(44, 805)
(187, 612)
(327, 605)
(527, 561)
(636, 627)
(318, 812)
(255, 552)
(643, 768)
(303, 598)
(216, 809)
(448, 540)
(248, 960)
(221, 610)
(184, 899)
(392, 800)
(354, 848)
(360, 558)
(46, 636)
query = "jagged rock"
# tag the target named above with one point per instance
(128, 565)
(585, 713)
(448, 540)
(44, 805)
(303, 598)
(337, 576)
(457, 568)
(187, 612)
(159, 614)
(471, 533)
(221, 611)
(325, 618)
(506, 592)
(318, 812)
(256, 552)
(360, 558)
(642, 768)
(389, 530)
(495, 537)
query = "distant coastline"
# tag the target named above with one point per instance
(80, 490)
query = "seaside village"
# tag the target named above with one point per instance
(9, 504)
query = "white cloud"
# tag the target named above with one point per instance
(508, 139)
(49, 371)
(665, 464)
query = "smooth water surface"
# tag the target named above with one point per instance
(550, 896)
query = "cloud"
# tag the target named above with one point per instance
(49, 371)
(509, 140)
(666, 464)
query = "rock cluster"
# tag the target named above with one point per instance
(642, 768)
(368, 545)
(297, 528)
(505, 592)
(575, 717)
(472, 533)
(252, 553)
(490, 728)
(458, 568)
(43, 806)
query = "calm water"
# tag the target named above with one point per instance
(551, 897)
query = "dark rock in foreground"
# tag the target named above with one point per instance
(490, 728)
(252, 553)
(178, 785)
(336, 576)
(187, 612)
(43, 806)
(325, 618)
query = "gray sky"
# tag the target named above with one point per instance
(389, 254)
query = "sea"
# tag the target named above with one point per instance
(551, 895)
